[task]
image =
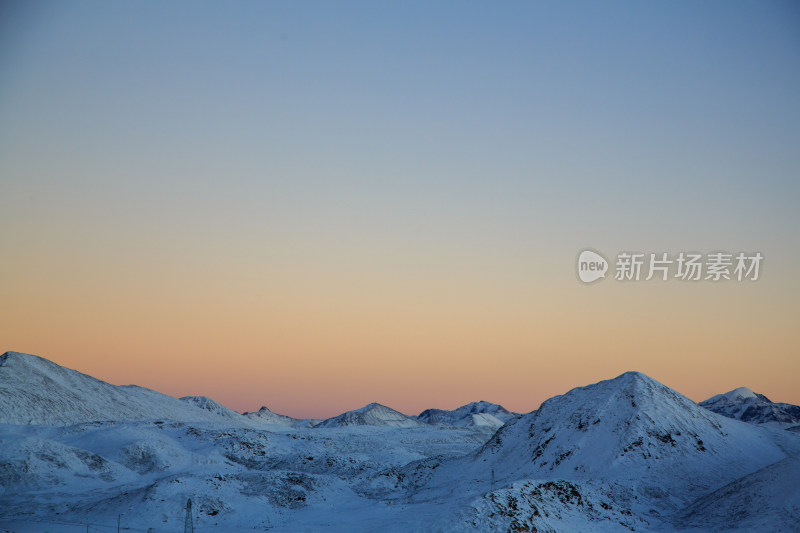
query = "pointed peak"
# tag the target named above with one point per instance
(636, 382)
(740, 393)
(634, 389)
(371, 406)
(633, 375)
(736, 395)
(631, 381)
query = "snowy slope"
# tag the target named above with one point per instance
(34, 390)
(767, 500)
(747, 406)
(373, 414)
(238, 478)
(475, 414)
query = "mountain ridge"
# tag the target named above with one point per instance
(35, 390)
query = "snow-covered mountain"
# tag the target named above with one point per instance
(629, 439)
(626, 454)
(373, 414)
(629, 427)
(475, 414)
(34, 390)
(748, 406)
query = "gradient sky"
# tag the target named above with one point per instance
(316, 205)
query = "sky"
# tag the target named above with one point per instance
(317, 205)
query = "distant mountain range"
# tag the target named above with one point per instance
(34, 390)
(748, 406)
(475, 414)
(373, 414)
(624, 454)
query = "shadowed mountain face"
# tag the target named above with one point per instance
(748, 406)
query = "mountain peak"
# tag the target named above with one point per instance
(748, 406)
(630, 390)
(629, 428)
(633, 376)
(642, 422)
(370, 407)
(372, 414)
(741, 392)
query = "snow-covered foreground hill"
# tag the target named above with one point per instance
(238, 478)
(627, 454)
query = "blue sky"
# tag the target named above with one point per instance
(577, 102)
